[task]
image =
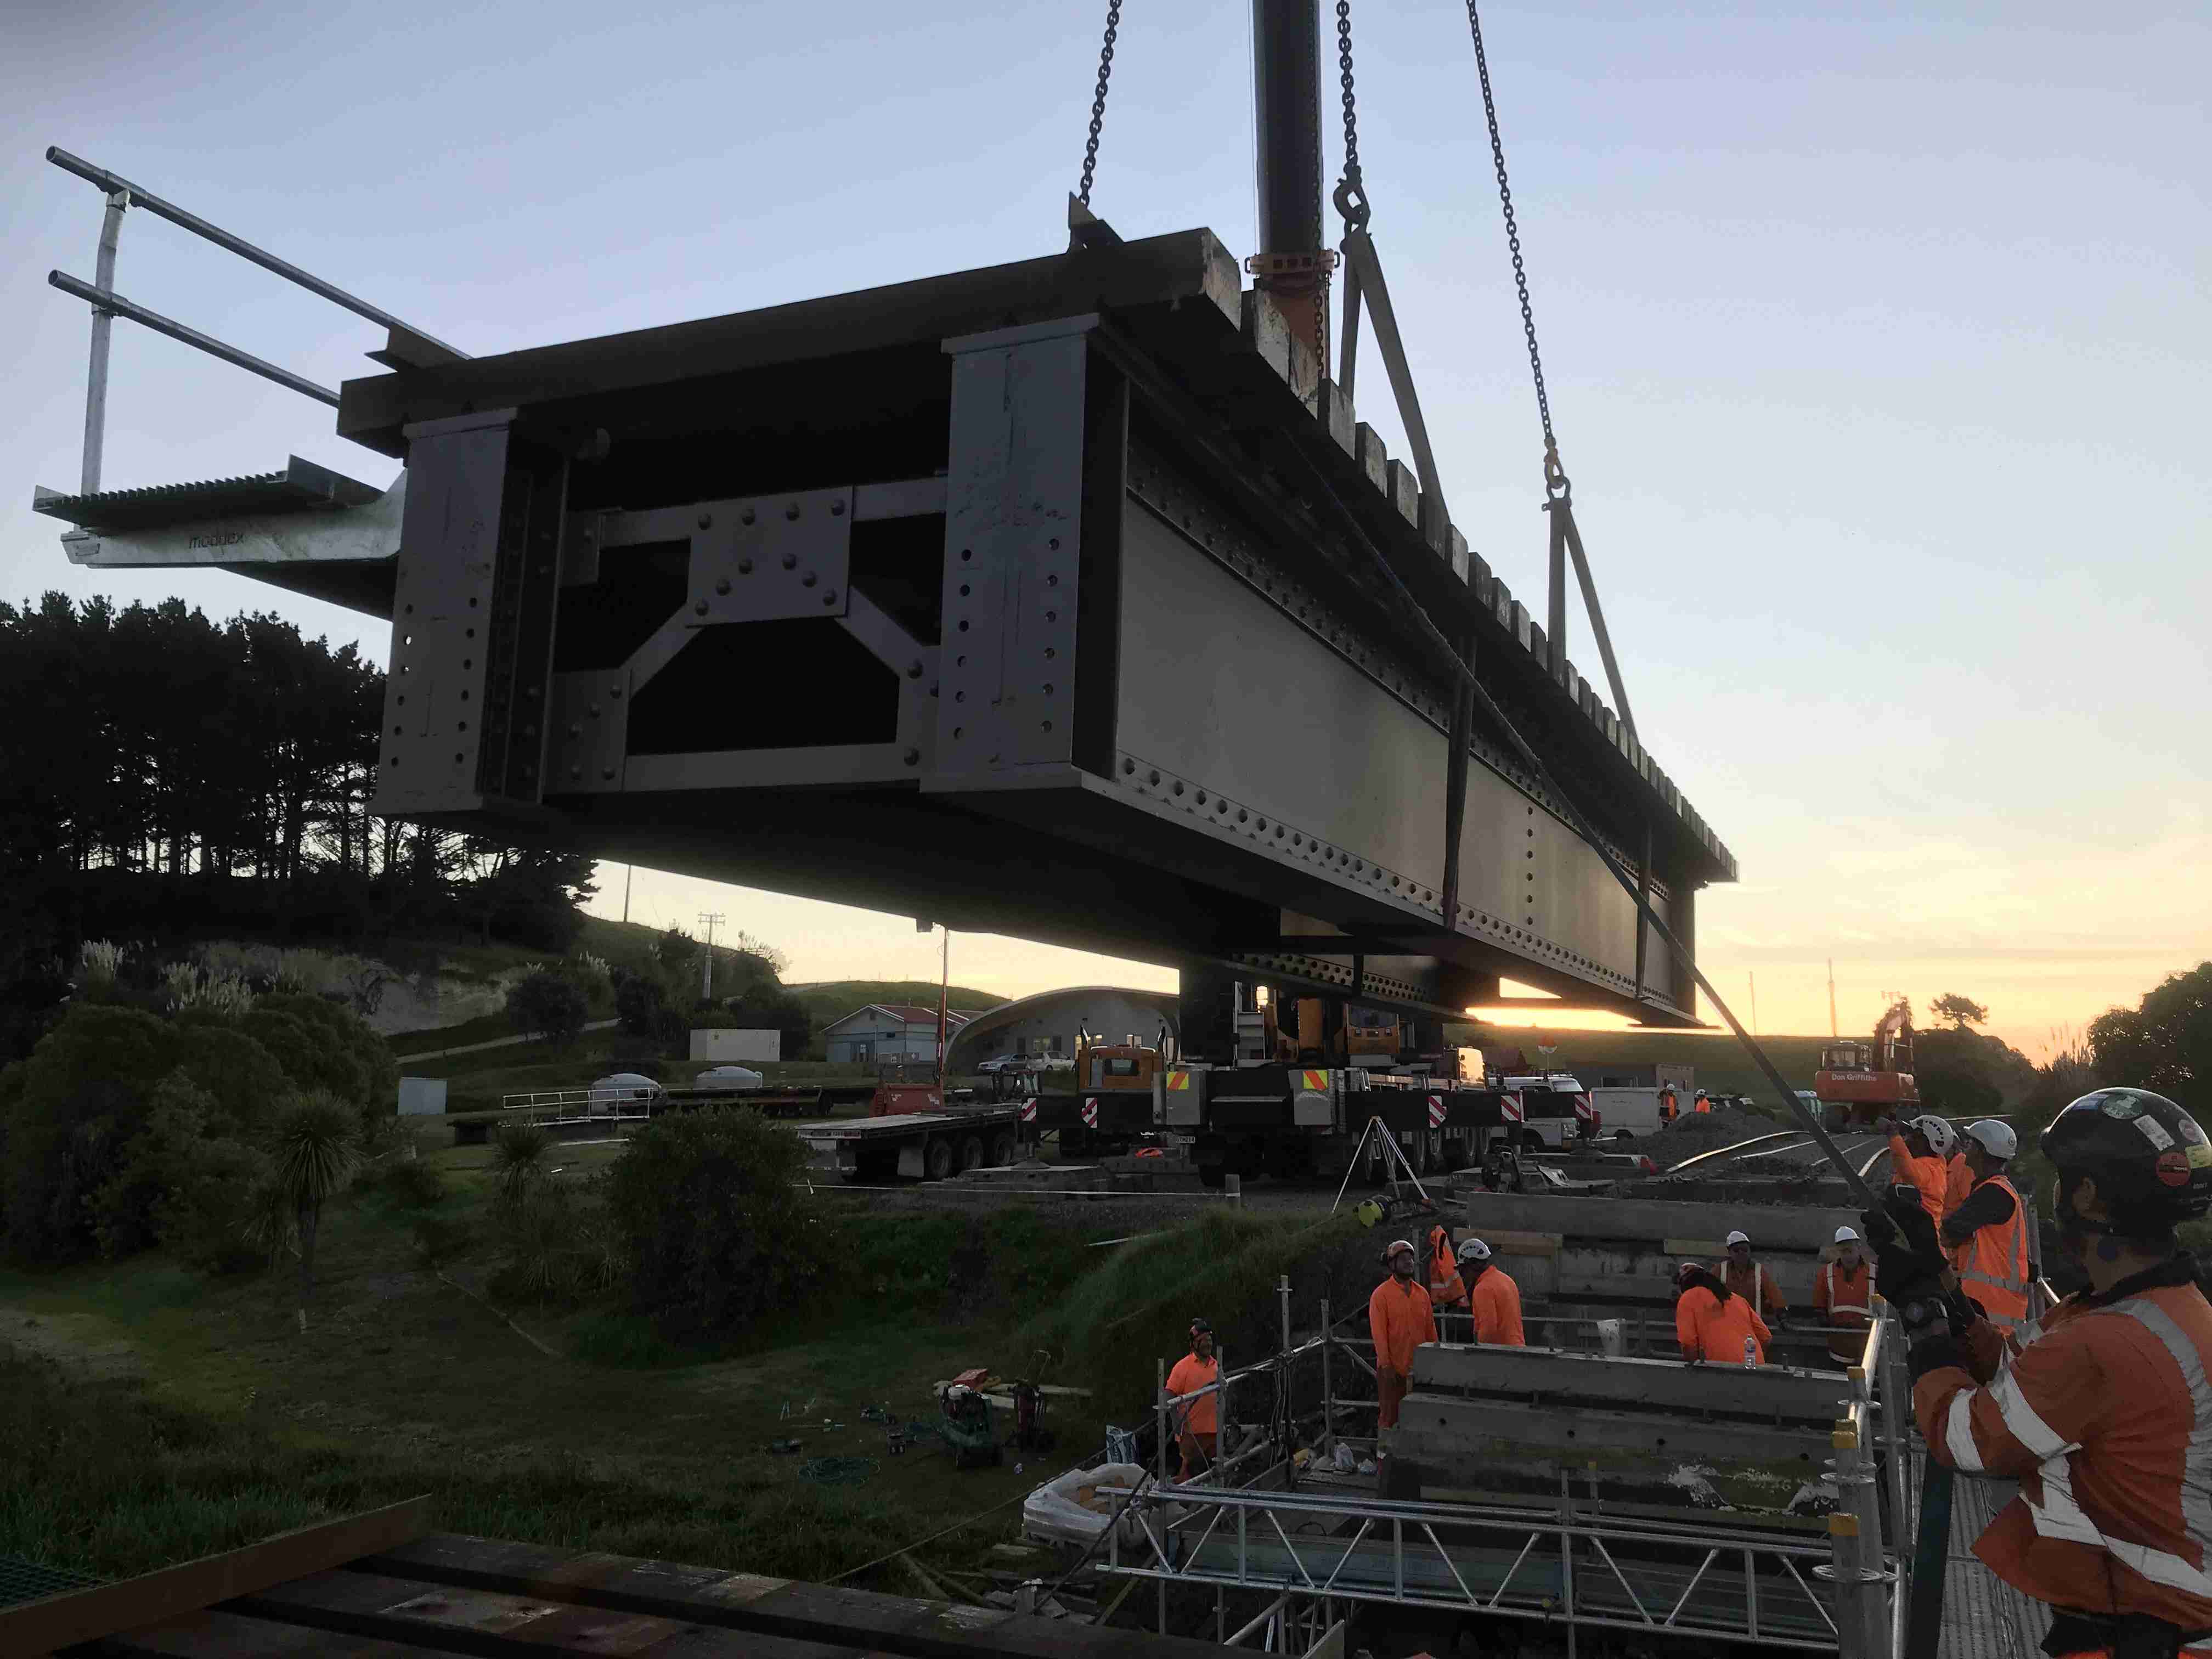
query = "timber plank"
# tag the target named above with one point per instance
(212, 1635)
(84, 1615)
(746, 1601)
(450, 1619)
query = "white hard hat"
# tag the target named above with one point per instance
(1475, 1250)
(1997, 1139)
(1396, 1245)
(1942, 1136)
(1739, 1238)
(1847, 1236)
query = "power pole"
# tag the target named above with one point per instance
(629, 869)
(943, 991)
(708, 920)
(1754, 978)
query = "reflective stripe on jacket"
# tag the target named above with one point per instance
(1845, 1298)
(1752, 1285)
(1992, 1265)
(1400, 1319)
(1496, 1302)
(2105, 1418)
(1713, 1328)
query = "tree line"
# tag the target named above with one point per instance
(160, 769)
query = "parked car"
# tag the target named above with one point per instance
(1002, 1063)
(728, 1077)
(628, 1085)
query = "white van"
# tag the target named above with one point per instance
(1623, 1113)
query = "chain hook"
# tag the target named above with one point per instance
(1556, 486)
(1351, 199)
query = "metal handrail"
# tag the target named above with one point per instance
(111, 184)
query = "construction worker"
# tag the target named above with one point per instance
(1197, 1437)
(1492, 1297)
(1842, 1292)
(1400, 1320)
(1987, 1234)
(1958, 1180)
(1447, 1290)
(1713, 1324)
(1669, 1107)
(1748, 1279)
(1919, 1154)
(2101, 1410)
(1699, 1102)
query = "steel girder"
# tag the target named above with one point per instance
(1019, 598)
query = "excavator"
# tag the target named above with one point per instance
(1859, 1084)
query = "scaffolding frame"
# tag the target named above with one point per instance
(1240, 1527)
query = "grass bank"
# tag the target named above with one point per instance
(148, 1415)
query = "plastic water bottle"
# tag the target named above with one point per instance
(1750, 1352)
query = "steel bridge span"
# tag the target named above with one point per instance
(1042, 599)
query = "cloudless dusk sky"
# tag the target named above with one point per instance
(1878, 340)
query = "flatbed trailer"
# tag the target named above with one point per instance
(925, 1146)
(776, 1099)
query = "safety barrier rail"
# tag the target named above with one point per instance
(579, 1105)
(404, 344)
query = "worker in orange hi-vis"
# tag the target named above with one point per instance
(1447, 1290)
(1492, 1296)
(1958, 1181)
(1400, 1320)
(2099, 1409)
(1701, 1102)
(1986, 1236)
(1199, 1420)
(1843, 1293)
(1669, 1106)
(1920, 1154)
(1748, 1279)
(1713, 1324)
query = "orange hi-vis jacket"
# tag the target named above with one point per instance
(1496, 1300)
(1992, 1265)
(1958, 1181)
(1203, 1415)
(1446, 1289)
(1400, 1320)
(1845, 1299)
(1751, 1284)
(2104, 1414)
(1712, 1329)
(1928, 1173)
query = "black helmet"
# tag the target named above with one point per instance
(2151, 1161)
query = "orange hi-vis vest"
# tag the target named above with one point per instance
(1400, 1320)
(1993, 1267)
(1713, 1328)
(1496, 1302)
(2104, 1415)
(1846, 1299)
(1701, 1104)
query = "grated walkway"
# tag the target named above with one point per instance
(1983, 1617)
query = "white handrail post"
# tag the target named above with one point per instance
(103, 325)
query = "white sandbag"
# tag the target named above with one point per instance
(1071, 1510)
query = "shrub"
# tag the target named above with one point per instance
(323, 1045)
(181, 1186)
(517, 1158)
(554, 1246)
(437, 1239)
(704, 1209)
(407, 1183)
(548, 1004)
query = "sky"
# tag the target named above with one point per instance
(1876, 339)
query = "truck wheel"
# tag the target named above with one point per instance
(1622, 1135)
(1418, 1154)
(1437, 1161)
(1531, 1141)
(972, 1153)
(1002, 1149)
(937, 1158)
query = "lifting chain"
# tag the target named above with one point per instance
(1098, 100)
(1555, 478)
(1351, 190)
